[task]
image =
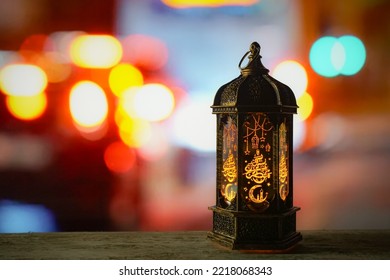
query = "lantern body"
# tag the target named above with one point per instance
(254, 191)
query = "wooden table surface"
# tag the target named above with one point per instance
(190, 245)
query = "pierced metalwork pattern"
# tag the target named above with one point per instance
(229, 94)
(258, 136)
(257, 229)
(254, 89)
(223, 224)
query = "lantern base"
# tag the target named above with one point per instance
(268, 233)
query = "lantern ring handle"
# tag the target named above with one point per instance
(254, 52)
(242, 59)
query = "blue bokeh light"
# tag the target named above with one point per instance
(17, 217)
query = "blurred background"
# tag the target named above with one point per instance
(105, 119)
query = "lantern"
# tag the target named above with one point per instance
(254, 183)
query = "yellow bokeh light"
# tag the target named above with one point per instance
(207, 3)
(124, 76)
(22, 80)
(27, 107)
(151, 102)
(95, 51)
(293, 74)
(305, 103)
(126, 103)
(88, 104)
(134, 133)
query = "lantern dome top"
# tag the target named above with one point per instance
(254, 90)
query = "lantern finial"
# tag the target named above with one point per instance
(254, 65)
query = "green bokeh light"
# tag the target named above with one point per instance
(330, 56)
(355, 55)
(320, 56)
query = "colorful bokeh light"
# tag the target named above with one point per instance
(88, 104)
(330, 56)
(61, 42)
(305, 103)
(123, 77)
(16, 217)
(55, 66)
(36, 43)
(299, 136)
(337, 56)
(156, 146)
(119, 158)
(355, 55)
(95, 51)
(292, 74)
(134, 133)
(145, 52)
(27, 107)
(180, 4)
(193, 125)
(151, 102)
(321, 56)
(22, 80)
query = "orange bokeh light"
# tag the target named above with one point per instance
(36, 43)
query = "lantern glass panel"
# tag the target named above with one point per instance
(283, 163)
(258, 188)
(229, 172)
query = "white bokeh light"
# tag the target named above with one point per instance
(194, 124)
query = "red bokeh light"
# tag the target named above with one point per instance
(119, 158)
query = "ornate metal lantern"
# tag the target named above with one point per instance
(254, 194)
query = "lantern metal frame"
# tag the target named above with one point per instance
(254, 194)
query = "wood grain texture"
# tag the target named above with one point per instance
(322, 245)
